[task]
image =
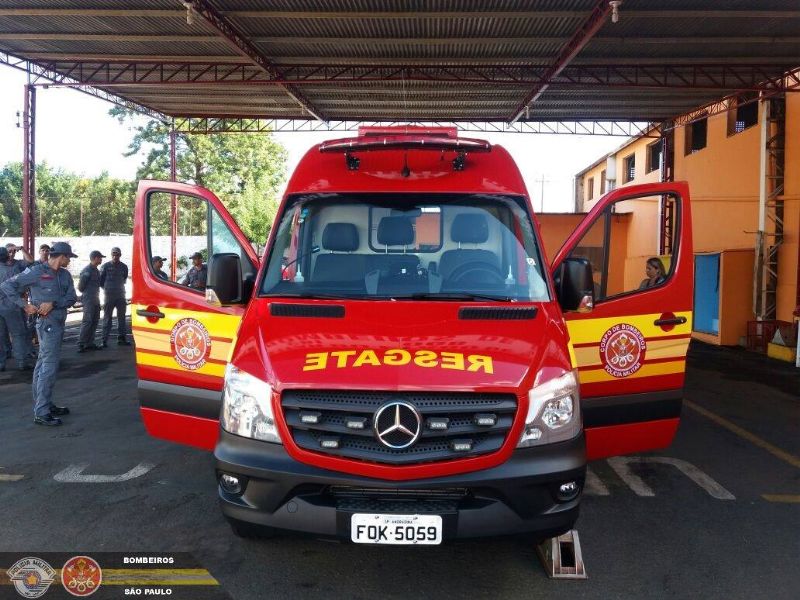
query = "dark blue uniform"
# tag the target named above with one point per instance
(12, 321)
(196, 277)
(89, 287)
(44, 285)
(112, 279)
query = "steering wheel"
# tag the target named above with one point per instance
(477, 272)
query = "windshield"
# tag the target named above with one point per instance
(406, 246)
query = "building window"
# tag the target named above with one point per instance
(629, 168)
(696, 136)
(590, 188)
(654, 152)
(744, 115)
(602, 182)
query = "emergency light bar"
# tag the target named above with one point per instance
(405, 142)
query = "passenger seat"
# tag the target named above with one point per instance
(394, 231)
(334, 268)
(467, 228)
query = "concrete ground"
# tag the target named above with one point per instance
(717, 515)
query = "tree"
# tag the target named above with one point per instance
(67, 204)
(246, 171)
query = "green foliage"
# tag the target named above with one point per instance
(246, 171)
(67, 204)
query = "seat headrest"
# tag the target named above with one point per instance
(340, 237)
(469, 229)
(395, 231)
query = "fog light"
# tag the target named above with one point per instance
(330, 443)
(568, 491)
(533, 433)
(230, 483)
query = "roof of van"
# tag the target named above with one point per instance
(492, 172)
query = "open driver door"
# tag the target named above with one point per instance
(183, 341)
(631, 332)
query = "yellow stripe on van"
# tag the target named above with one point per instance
(168, 362)
(589, 331)
(218, 324)
(656, 349)
(647, 370)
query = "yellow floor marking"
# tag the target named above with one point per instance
(743, 433)
(7, 477)
(787, 498)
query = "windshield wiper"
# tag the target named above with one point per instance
(455, 296)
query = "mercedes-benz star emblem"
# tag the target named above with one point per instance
(398, 424)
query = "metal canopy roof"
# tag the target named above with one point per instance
(420, 60)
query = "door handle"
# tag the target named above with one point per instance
(671, 321)
(142, 312)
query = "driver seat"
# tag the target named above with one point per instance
(467, 228)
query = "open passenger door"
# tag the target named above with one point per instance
(183, 341)
(630, 346)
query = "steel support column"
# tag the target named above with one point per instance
(29, 169)
(769, 236)
(173, 176)
(667, 204)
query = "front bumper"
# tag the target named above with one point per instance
(516, 497)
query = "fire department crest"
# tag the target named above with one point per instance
(190, 343)
(81, 576)
(31, 577)
(622, 350)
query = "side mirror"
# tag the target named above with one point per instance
(575, 285)
(224, 285)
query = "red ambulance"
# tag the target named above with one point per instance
(404, 365)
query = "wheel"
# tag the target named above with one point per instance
(250, 531)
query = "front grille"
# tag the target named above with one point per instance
(331, 411)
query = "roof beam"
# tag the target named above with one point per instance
(406, 41)
(316, 61)
(397, 15)
(579, 39)
(205, 125)
(238, 42)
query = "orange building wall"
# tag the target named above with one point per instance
(724, 184)
(556, 228)
(723, 181)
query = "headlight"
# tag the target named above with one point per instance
(554, 409)
(247, 406)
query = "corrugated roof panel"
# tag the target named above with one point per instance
(433, 32)
(456, 26)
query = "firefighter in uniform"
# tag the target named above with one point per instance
(158, 264)
(51, 293)
(89, 287)
(13, 331)
(197, 275)
(113, 276)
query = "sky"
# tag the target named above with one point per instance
(75, 132)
